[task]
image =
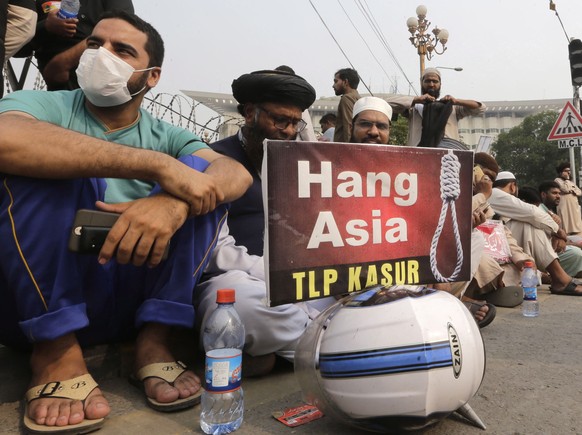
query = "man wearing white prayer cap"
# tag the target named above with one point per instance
(505, 175)
(533, 229)
(413, 107)
(371, 121)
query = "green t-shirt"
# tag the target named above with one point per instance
(67, 109)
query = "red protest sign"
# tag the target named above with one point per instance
(342, 217)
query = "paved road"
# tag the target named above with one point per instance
(532, 384)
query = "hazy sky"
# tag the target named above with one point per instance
(508, 49)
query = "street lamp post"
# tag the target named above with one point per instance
(427, 45)
(456, 68)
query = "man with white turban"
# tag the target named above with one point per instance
(371, 121)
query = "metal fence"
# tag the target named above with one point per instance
(175, 109)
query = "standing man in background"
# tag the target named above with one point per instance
(345, 83)
(414, 107)
(568, 207)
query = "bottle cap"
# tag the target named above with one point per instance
(225, 296)
(528, 263)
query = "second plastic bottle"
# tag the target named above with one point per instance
(223, 339)
(69, 9)
(529, 282)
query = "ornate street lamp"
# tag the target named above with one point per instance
(456, 68)
(427, 45)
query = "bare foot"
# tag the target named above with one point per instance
(152, 348)
(479, 314)
(60, 360)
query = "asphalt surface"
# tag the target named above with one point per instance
(532, 384)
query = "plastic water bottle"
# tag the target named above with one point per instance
(69, 9)
(223, 339)
(529, 283)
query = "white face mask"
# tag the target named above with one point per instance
(103, 77)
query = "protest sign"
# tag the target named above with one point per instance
(342, 217)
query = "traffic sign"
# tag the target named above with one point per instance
(570, 143)
(567, 126)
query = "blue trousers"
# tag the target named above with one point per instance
(46, 291)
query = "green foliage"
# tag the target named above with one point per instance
(525, 151)
(399, 131)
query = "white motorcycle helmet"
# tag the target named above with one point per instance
(391, 358)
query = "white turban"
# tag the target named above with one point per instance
(431, 71)
(372, 103)
(505, 175)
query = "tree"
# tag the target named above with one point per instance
(399, 131)
(525, 150)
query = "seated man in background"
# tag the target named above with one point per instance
(496, 280)
(547, 197)
(371, 121)
(162, 180)
(532, 229)
(271, 103)
(371, 124)
(327, 124)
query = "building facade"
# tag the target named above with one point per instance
(499, 116)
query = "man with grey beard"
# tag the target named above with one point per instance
(271, 103)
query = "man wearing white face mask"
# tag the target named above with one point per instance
(67, 150)
(104, 78)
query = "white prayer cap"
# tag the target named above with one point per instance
(431, 71)
(505, 175)
(372, 103)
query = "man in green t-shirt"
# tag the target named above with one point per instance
(95, 148)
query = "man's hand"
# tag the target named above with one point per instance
(196, 188)
(448, 98)
(559, 241)
(478, 218)
(558, 244)
(468, 104)
(59, 26)
(422, 99)
(144, 229)
(484, 186)
(521, 264)
(556, 219)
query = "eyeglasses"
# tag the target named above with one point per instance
(367, 125)
(282, 122)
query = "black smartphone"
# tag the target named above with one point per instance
(90, 229)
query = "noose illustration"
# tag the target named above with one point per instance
(450, 190)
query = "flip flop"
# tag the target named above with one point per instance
(509, 297)
(473, 307)
(569, 290)
(168, 372)
(75, 389)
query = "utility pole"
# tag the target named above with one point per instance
(575, 56)
(576, 104)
